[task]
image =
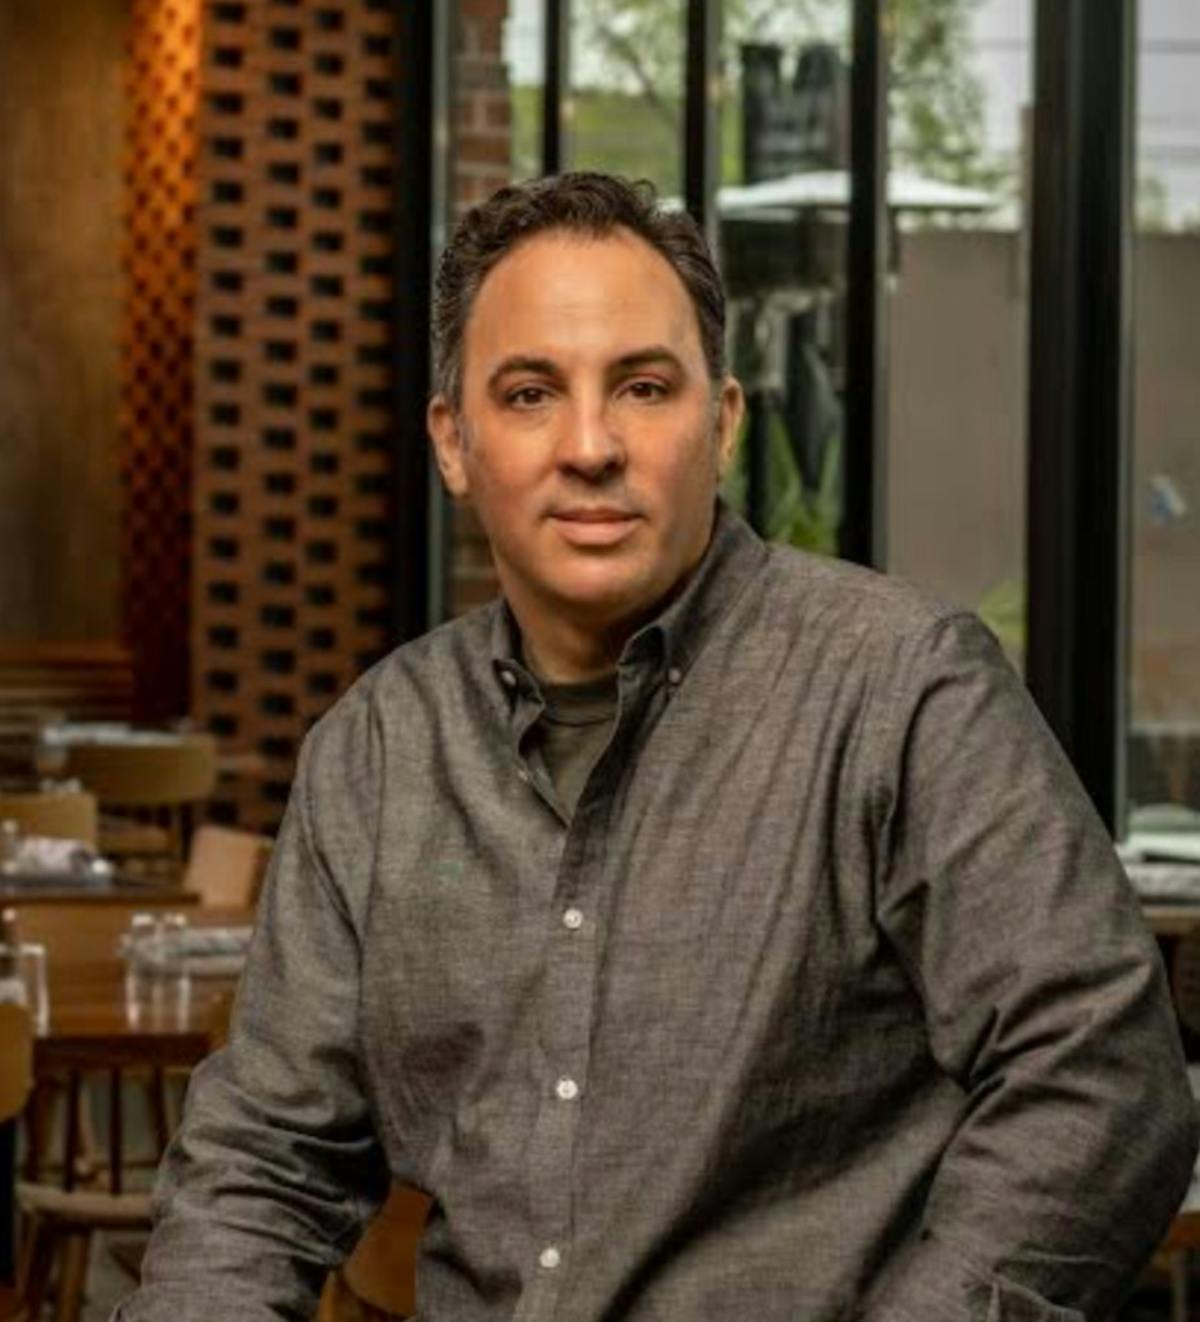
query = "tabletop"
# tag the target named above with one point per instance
(122, 892)
(94, 997)
(102, 1012)
(1171, 919)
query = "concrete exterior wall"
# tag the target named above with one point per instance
(957, 418)
(956, 392)
(1165, 579)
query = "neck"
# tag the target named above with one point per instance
(560, 651)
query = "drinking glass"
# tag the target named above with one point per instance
(23, 980)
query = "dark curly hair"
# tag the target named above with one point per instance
(586, 203)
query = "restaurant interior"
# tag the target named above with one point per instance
(961, 244)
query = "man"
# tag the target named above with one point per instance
(712, 930)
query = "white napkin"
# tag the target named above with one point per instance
(34, 854)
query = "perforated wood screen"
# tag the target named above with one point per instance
(158, 262)
(294, 386)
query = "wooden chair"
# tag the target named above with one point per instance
(20, 741)
(16, 1059)
(65, 815)
(225, 867)
(1183, 1237)
(158, 780)
(16, 1080)
(60, 1218)
(378, 1282)
(1185, 979)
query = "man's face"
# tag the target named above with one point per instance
(590, 439)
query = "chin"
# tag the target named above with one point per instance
(611, 596)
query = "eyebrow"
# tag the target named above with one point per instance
(652, 354)
(520, 362)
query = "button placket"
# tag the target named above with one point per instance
(568, 1006)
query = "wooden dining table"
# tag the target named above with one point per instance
(100, 1015)
(129, 895)
(1171, 919)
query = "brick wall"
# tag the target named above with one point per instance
(482, 163)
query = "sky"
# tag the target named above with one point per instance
(1168, 87)
(1168, 82)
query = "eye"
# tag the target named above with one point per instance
(647, 390)
(527, 397)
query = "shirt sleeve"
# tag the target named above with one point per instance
(276, 1166)
(1044, 999)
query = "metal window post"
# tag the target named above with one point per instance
(701, 119)
(1079, 385)
(862, 534)
(556, 30)
(416, 562)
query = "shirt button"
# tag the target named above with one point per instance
(573, 920)
(567, 1090)
(674, 675)
(550, 1257)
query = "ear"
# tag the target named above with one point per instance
(446, 437)
(731, 408)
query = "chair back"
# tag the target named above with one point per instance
(147, 775)
(20, 741)
(225, 867)
(381, 1271)
(16, 1059)
(64, 815)
(1185, 979)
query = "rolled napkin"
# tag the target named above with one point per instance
(206, 952)
(43, 855)
(1166, 883)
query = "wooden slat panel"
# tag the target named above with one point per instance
(294, 383)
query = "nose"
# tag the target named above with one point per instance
(589, 445)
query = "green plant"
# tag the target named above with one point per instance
(803, 517)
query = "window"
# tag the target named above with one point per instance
(1164, 699)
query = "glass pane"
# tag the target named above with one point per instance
(1164, 747)
(525, 57)
(625, 110)
(961, 89)
(782, 225)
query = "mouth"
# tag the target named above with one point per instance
(594, 525)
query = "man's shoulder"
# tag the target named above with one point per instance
(411, 682)
(838, 595)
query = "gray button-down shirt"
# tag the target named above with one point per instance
(829, 1001)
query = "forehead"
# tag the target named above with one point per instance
(567, 296)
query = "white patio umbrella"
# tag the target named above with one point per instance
(817, 190)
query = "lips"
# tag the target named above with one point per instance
(590, 514)
(599, 525)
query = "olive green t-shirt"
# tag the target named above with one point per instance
(573, 730)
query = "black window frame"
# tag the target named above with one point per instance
(1079, 345)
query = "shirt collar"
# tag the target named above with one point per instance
(677, 635)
